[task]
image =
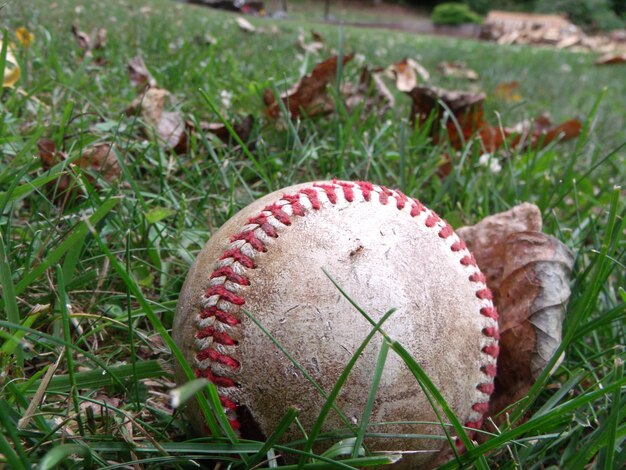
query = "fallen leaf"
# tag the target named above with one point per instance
(371, 91)
(611, 59)
(90, 43)
(405, 74)
(466, 109)
(315, 46)
(82, 39)
(529, 274)
(140, 76)
(166, 126)
(243, 129)
(508, 91)
(245, 25)
(99, 160)
(457, 69)
(309, 96)
(11, 69)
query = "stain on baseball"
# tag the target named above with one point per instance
(386, 251)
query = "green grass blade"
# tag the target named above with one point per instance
(80, 230)
(272, 440)
(10, 299)
(332, 396)
(57, 455)
(371, 398)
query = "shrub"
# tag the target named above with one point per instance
(595, 14)
(454, 14)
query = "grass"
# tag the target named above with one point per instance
(89, 288)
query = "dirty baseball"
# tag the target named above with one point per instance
(274, 261)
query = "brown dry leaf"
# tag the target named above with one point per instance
(371, 90)
(309, 96)
(405, 74)
(245, 25)
(166, 126)
(466, 107)
(529, 273)
(82, 39)
(612, 59)
(537, 134)
(457, 69)
(99, 159)
(139, 74)
(313, 47)
(508, 91)
(243, 129)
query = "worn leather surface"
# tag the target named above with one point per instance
(384, 259)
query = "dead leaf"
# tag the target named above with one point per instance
(243, 129)
(309, 96)
(529, 273)
(166, 126)
(612, 59)
(461, 114)
(371, 91)
(245, 25)
(82, 39)
(457, 69)
(508, 91)
(11, 73)
(466, 108)
(139, 74)
(405, 74)
(313, 47)
(99, 160)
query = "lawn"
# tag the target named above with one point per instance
(90, 277)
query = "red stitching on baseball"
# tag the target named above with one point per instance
(485, 388)
(231, 275)
(484, 294)
(249, 237)
(489, 370)
(298, 209)
(366, 189)
(491, 332)
(237, 255)
(216, 356)
(278, 213)
(446, 232)
(225, 294)
(261, 221)
(329, 189)
(218, 380)
(221, 316)
(458, 246)
(492, 350)
(218, 336)
(294, 202)
(468, 260)
(489, 312)
(416, 208)
(311, 194)
(348, 193)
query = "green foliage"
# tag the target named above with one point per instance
(454, 14)
(592, 14)
(484, 6)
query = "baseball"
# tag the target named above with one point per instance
(386, 251)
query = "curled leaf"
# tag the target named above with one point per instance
(139, 74)
(11, 68)
(309, 96)
(529, 273)
(456, 69)
(406, 73)
(371, 91)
